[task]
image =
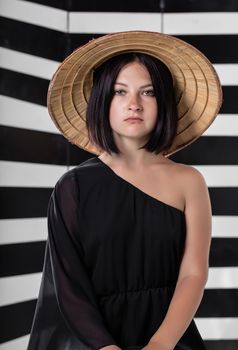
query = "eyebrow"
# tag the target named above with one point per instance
(141, 87)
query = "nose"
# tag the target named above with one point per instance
(134, 103)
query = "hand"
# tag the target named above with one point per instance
(110, 347)
(155, 345)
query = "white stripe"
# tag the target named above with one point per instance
(228, 73)
(27, 64)
(225, 226)
(16, 344)
(108, 22)
(223, 125)
(36, 117)
(174, 23)
(22, 114)
(19, 288)
(33, 230)
(222, 277)
(23, 230)
(36, 14)
(45, 68)
(219, 175)
(218, 328)
(201, 23)
(26, 287)
(101, 22)
(20, 174)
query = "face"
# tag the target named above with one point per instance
(133, 98)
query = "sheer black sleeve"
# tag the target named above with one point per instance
(74, 292)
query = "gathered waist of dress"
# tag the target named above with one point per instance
(141, 290)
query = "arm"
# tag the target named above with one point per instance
(194, 266)
(73, 288)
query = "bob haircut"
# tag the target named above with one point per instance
(104, 78)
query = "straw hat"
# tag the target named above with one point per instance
(196, 84)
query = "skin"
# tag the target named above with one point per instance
(179, 185)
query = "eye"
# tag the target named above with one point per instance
(149, 93)
(119, 92)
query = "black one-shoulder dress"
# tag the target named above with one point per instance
(111, 264)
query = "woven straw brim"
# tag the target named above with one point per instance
(197, 87)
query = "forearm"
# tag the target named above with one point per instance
(184, 304)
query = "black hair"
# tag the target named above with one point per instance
(104, 78)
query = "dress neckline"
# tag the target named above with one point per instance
(138, 189)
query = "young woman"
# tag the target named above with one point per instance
(129, 231)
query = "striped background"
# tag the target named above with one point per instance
(34, 37)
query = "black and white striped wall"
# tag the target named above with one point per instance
(34, 37)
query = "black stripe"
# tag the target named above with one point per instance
(230, 101)
(144, 6)
(221, 344)
(34, 89)
(33, 39)
(106, 5)
(22, 145)
(23, 258)
(48, 148)
(24, 202)
(219, 303)
(55, 45)
(200, 6)
(78, 39)
(60, 4)
(211, 46)
(23, 87)
(224, 200)
(42, 147)
(16, 320)
(14, 258)
(20, 202)
(224, 252)
(11, 318)
(209, 150)
(208, 44)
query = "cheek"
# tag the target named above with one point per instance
(112, 115)
(114, 110)
(111, 111)
(154, 108)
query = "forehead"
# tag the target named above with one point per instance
(134, 69)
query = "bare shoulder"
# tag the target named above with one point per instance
(182, 184)
(195, 190)
(187, 175)
(190, 182)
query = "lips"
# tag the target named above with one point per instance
(133, 118)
